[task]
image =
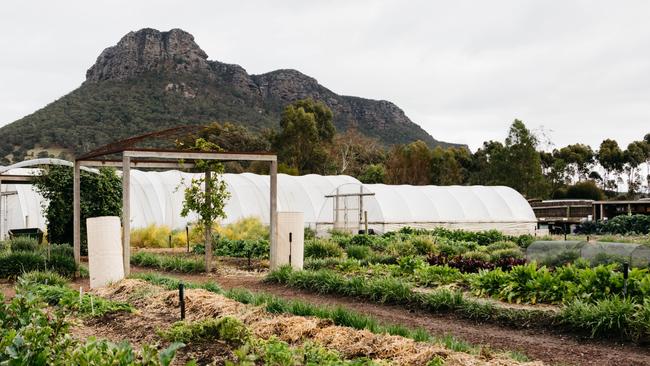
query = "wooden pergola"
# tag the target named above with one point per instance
(158, 159)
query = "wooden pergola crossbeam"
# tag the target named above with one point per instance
(141, 158)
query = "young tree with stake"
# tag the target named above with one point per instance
(207, 196)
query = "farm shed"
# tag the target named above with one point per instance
(156, 200)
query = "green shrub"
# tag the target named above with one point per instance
(314, 264)
(321, 248)
(15, 264)
(62, 250)
(360, 252)
(242, 248)
(424, 245)
(430, 276)
(607, 317)
(361, 239)
(164, 262)
(400, 249)
(501, 245)
(382, 258)
(506, 253)
(62, 264)
(477, 255)
(23, 244)
(42, 278)
(225, 329)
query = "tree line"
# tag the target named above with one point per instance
(307, 142)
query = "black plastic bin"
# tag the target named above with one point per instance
(34, 233)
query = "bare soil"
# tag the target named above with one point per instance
(7, 290)
(538, 344)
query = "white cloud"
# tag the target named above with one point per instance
(463, 70)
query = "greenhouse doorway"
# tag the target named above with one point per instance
(349, 213)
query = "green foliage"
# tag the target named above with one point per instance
(322, 248)
(54, 290)
(306, 126)
(506, 253)
(585, 190)
(358, 251)
(42, 278)
(613, 316)
(31, 336)
(423, 245)
(392, 290)
(163, 262)
(624, 225)
(171, 283)
(23, 244)
(15, 264)
(247, 228)
(207, 195)
(339, 315)
(528, 283)
(477, 255)
(431, 276)
(225, 329)
(373, 174)
(101, 195)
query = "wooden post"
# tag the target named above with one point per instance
(126, 214)
(365, 221)
(76, 213)
(208, 225)
(602, 211)
(273, 215)
(2, 233)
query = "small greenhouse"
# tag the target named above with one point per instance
(556, 252)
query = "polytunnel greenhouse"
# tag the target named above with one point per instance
(328, 202)
(558, 252)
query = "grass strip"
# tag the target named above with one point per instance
(173, 263)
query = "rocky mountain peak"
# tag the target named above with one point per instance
(146, 50)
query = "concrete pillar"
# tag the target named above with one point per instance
(126, 214)
(76, 212)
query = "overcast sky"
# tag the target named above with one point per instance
(463, 70)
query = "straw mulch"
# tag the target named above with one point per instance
(349, 342)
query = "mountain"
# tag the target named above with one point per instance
(153, 80)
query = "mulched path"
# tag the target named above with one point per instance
(538, 344)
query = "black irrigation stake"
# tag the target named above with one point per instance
(626, 268)
(181, 296)
(187, 236)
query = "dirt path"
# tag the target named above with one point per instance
(537, 344)
(7, 290)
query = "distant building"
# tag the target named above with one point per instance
(559, 216)
(604, 210)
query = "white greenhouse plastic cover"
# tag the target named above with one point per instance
(155, 199)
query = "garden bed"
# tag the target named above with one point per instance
(351, 343)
